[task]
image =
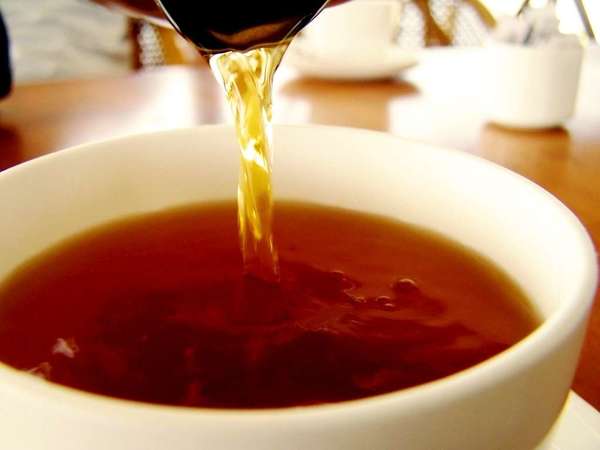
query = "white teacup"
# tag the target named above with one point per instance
(507, 402)
(358, 29)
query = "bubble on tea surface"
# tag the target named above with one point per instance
(405, 286)
(385, 302)
(43, 371)
(65, 347)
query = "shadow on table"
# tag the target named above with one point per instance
(10, 147)
(353, 104)
(541, 155)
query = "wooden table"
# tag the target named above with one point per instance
(438, 102)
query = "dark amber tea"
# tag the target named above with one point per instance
(157, 309)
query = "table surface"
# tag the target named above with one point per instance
(439, 101)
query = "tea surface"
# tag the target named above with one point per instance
(156, 308)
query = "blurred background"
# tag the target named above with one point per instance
(63, 39)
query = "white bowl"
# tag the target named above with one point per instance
(508, 402)
(531, 87)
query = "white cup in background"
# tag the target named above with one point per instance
(361, 29)
(531, 87)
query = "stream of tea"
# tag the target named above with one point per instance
(244, 43)
(247, 79)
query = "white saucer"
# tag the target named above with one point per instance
(313, 62)
(578, 428)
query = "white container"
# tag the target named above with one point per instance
(531, 87)
(358, 29)
(507, 402)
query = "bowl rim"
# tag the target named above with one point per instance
(530, 350)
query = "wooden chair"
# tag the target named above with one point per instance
(445, 22)
(157, 46)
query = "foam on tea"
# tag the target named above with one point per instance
(157, 308)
